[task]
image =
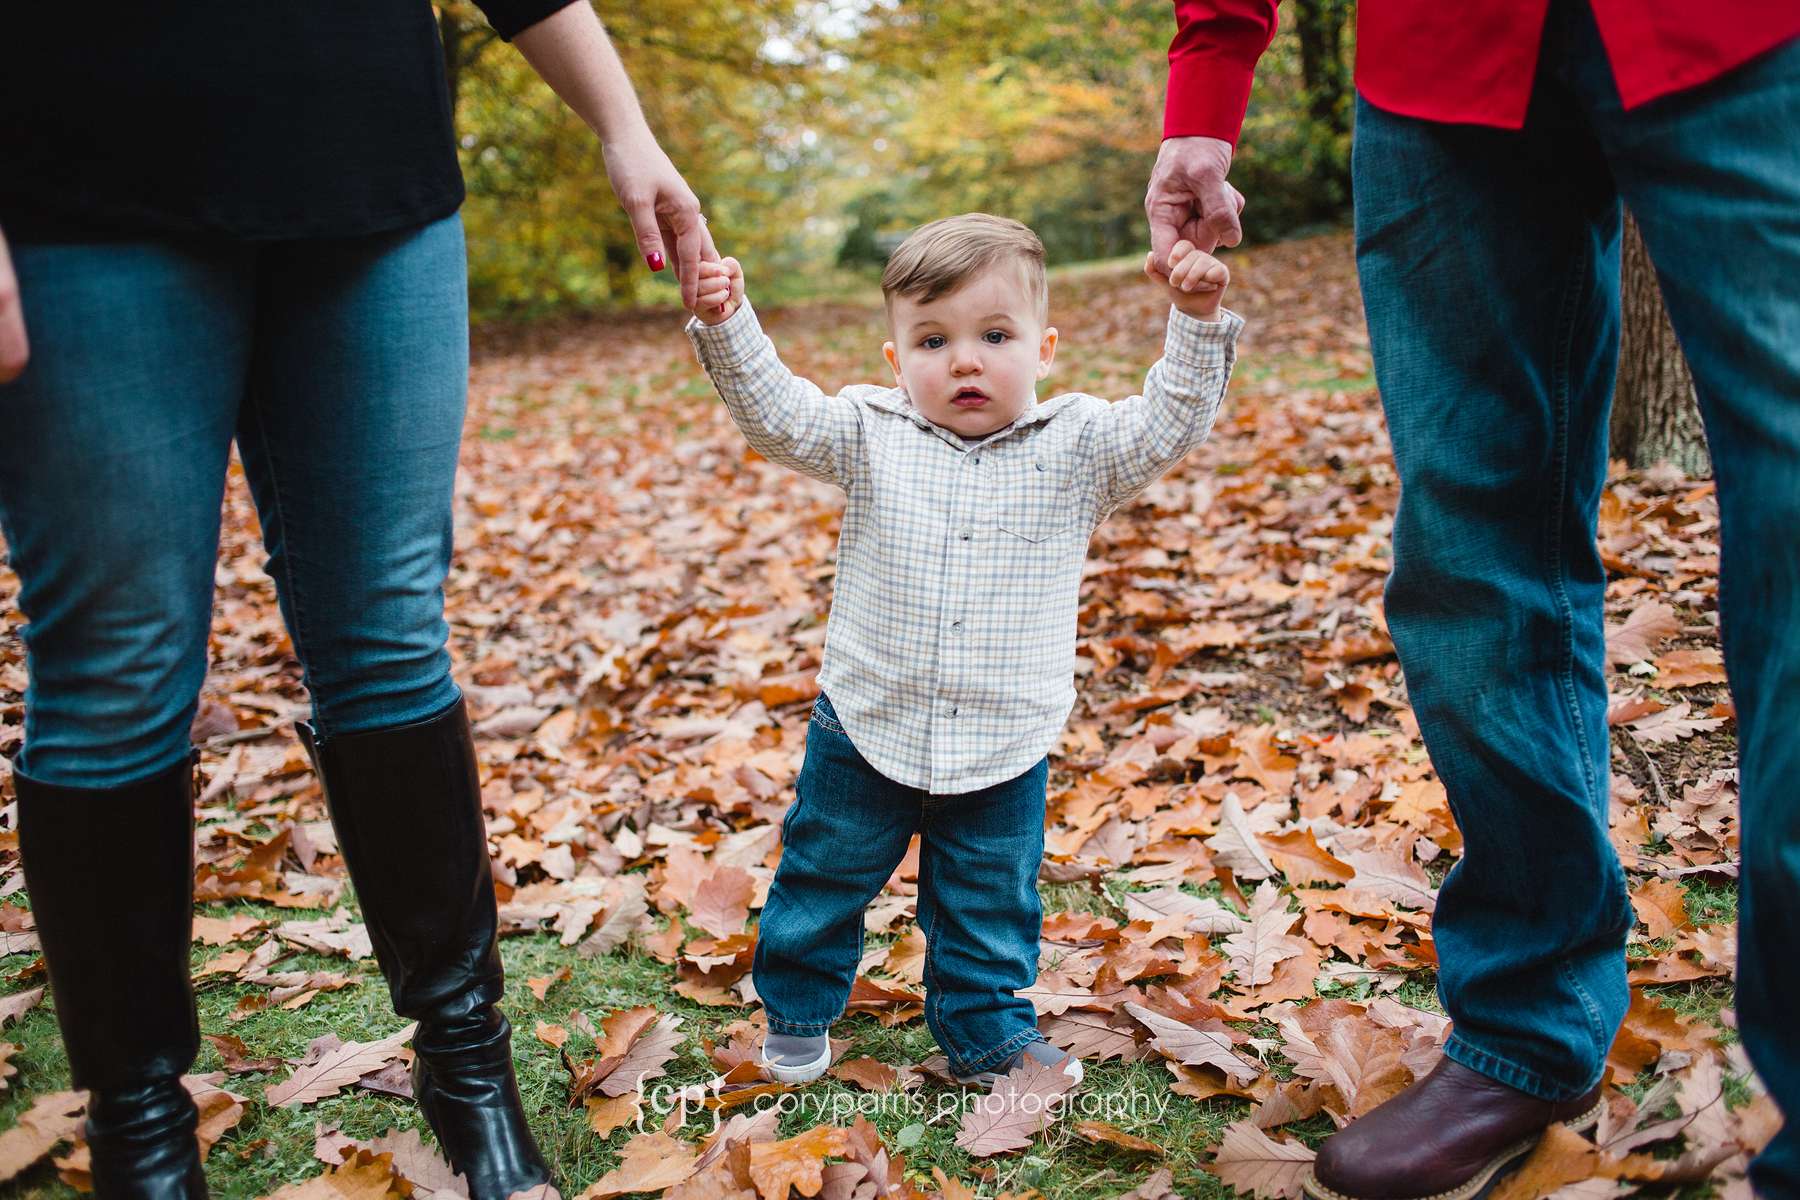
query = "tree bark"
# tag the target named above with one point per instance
(1655, 417)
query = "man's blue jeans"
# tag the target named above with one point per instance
(978, 903)
(1490, 272)
(340, 367)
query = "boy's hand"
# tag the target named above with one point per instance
(1195, 282)
(721, 290)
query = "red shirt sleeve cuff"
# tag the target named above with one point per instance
(1207, 96)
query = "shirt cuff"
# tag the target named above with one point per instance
(729, 343)
(1193, 342)
(1207, 97)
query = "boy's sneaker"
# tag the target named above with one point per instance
(788, 1059)
(1042, 1052)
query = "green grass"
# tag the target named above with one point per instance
(273, 1147)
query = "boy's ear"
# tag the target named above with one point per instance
(1046, 352)
(892, 353)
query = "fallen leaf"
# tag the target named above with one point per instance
(1249, 1160)
(1635, 639)
(646, 1058)
(1194, 1047)
(1021, 1104)
(1690, 668)
(336, 1070)
(540, 987)
(721, 904)
(18, 1004)
(649, 1162)
(795, 1163)
(1662, 906)
(1303, 861)
(362, 1176)
(1672, 725)
(1235, 845)
(52, 1118)
(613, 1112)
(1561, 1157)
(866, 1073)
(1099, 1131)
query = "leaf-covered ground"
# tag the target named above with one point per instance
(1245, 843)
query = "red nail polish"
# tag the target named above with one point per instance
(655, 261)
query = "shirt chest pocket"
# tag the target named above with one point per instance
(1036, 499)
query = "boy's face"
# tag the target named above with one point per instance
(970, 359)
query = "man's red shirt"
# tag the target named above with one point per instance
(1464, 61)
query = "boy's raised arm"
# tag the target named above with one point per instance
(1137, 439)
(1134, 441)
(786, 419)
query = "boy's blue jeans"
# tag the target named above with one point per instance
(1490, 271)
(340, 367)
(978, 903)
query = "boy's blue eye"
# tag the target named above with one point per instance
(933, 342)
(995, 337)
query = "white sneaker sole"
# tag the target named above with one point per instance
(795, 1072)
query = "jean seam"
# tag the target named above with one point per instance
(934, 994)
(298, 632)
(1559, 392)
(1565, 610)
(1587, 1000)
(824, 721)
(796, 1028)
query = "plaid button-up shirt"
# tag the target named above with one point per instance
(950, 649)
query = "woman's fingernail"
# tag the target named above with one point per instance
(655, 260)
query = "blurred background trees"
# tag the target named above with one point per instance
(818, 132)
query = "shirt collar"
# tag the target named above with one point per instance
(896, 401)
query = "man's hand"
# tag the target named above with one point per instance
(721, 290)
(1190, 200)
(14, 349)
(662, 208)
(1195, 281)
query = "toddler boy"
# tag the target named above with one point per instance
(949, 659)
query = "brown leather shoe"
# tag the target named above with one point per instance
(1447, 1137)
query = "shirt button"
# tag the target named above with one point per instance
(966, 534)
(978, 460)
(951, 711)
(956, 626)
(1042, 467)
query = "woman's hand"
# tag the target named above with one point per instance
(662, 208)
(721, 291)
(14, 349)
(570, 50)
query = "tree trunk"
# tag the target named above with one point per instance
(1654, 416)
(1319, 24)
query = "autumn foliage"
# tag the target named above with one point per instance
(1245, 841)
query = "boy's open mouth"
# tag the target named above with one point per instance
(969, 397)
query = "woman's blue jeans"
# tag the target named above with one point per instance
(1490, 273)
(979, 854)
(340, 368)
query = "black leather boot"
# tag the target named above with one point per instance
(119, 968)
(406, 802)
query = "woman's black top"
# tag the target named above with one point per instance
(250, 119)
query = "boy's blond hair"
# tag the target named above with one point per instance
(938, 258)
